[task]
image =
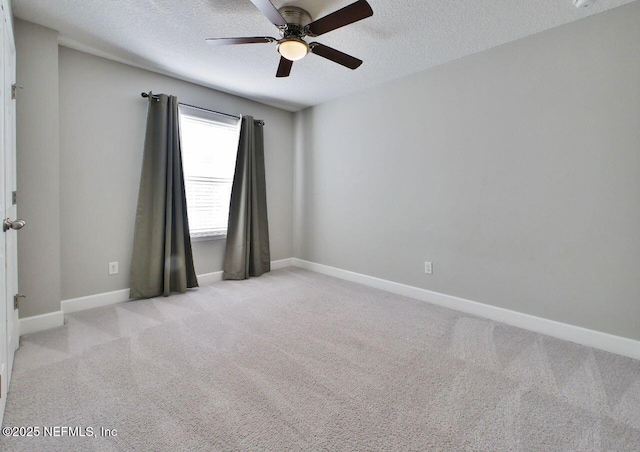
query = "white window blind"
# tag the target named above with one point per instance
(209, 144)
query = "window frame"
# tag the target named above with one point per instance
(213, 117)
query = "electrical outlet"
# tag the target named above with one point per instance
(428, 268)
(113, 268)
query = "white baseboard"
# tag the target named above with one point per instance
(94, 301)
(41, 322)
(209, 278)
(54, 319)
(118, 296)
(282, 263)
(591, 338)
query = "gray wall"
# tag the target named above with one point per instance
(38, 168)
(102, 124)
(516, 171)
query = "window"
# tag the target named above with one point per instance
(209, 144)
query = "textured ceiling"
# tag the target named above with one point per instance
(402, 37)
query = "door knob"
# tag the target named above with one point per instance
(8, 224)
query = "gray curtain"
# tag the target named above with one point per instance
(247, 252)
(162, 261)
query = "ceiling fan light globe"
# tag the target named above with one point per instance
(293, 49)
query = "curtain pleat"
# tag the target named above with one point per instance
(162, 261)
(247, 249)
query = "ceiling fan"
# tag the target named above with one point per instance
(295, 24)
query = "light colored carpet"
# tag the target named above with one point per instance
(294, 360)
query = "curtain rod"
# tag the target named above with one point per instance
(153, 96)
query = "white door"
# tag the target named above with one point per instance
(4, 364)
(8, 241)
(11, 187)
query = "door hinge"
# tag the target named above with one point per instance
(14, 197)
(14, 90)
(16, 300)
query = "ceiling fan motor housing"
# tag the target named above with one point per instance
(297, 19)
(296, 16)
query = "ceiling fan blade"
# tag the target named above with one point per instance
(335, 55)
(345, 16)
(231, 41)
(267, 8)
(284, 68)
